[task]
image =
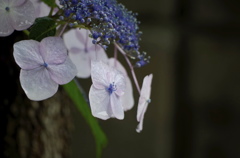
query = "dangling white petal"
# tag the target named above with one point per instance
(144, 100)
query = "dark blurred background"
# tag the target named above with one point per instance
(195, 52)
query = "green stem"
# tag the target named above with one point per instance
(26, 32)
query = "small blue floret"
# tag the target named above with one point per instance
(7, 9)
(45, 65)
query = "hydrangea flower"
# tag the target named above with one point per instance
(82, 51)
(106, 91)
(15, 15)
(144, 100)
(127, 98)
(44, 65)
(108, 20)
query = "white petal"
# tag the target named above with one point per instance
(82, 62)
(23, 16)
(41, 8)
(98, 53)
(115, 63)
(146, 86)
(140, 125)
(100, 103)
(120, 82)
(53, 50)
(144, 100)
(5, 23)
(101, 74)
(116, 106)
(37, 84)
(14, 3)
(71, 40)
(27, 54)
(63, 73)
(127, 98)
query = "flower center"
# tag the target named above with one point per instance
(45, 65)
(112, 87)
(7, 9)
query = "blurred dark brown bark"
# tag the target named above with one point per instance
(30, 129)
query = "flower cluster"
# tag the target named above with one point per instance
(56, 60)
(108, 21)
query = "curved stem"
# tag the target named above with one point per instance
(61, 32)
(131, 67)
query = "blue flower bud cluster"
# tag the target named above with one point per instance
(108, 22)
(143, 60)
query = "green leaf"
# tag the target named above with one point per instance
(50, 3)
(76, 96)
(42, 27)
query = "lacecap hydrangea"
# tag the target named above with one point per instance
(108, 22)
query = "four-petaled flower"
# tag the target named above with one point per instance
(15, 15)
(144, 100)
(44, 65)
(82, 51)
(127, 98)
(106, 91)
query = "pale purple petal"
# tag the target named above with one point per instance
(116, 106)
(115, 63)
(98, 54)
(100, 74)
(5, 23)
(53, 50)
(127, 98)
(82, 51)
(140, 124)
(71, 40)
(144, 100)
(63, 73)
(100, 103)
(120, 81)
(81, 35)
(14, 3)
(82, 62)
(22, 16)
(119, 77)
(42, 9)
(74, 50)
(27, 54)
(37, 84)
